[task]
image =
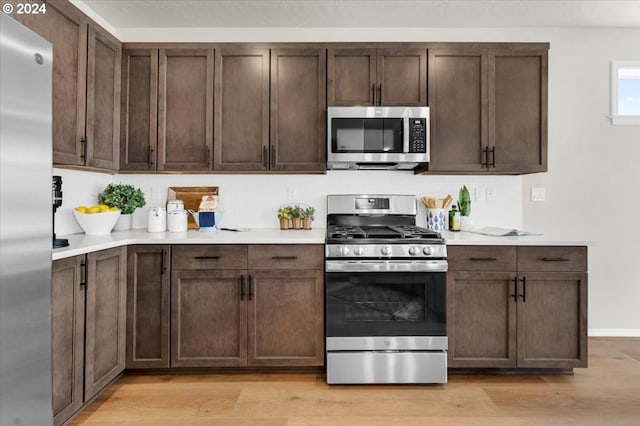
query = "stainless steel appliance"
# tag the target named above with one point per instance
(385, 300)
(25, 226)
(377, 138)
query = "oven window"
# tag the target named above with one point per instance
(373, 135)
(385, 304)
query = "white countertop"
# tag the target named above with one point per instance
(471, 239)
(81, 243)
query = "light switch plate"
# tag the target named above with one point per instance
(538, 194)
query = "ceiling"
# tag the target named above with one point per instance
(366, 14)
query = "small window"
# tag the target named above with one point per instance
(625, 92)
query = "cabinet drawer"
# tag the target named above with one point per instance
(481, 258)
(286, 256)
(209, 257)
(559, 259)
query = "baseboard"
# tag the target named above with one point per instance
(614, 332)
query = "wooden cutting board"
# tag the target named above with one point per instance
(191, 197)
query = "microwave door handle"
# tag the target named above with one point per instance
(405, 135)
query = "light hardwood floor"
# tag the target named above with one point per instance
(606, 393)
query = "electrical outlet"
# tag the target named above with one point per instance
(292, 193)
(538, 194)
(478, 194)
(491, 194)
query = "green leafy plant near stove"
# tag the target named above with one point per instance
(125, 197)
(464, 201)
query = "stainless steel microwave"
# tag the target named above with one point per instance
(377, 138)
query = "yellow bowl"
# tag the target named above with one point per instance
(97, 223)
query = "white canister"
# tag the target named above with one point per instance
(175, 205)
(177, 221)
(157, 219)
(436, 219)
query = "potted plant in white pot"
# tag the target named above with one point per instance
(125, 197)
(464, 203)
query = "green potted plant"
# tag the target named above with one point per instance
(464, 203)
(284, 214)
(296, 217)
(307, 217)
(125, 197)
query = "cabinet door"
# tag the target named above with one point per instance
(286, 318)
(518, 111)
(208, 318)
(139, 110)
(148, 306)
(351, 77)
(66, 28)
(552, 320)
(103, 100)
(298, 109)
(402, 77)
(105, 318)
(241, 120)
(67, 326)
(458, 106)
(481, 319)
(185, 109)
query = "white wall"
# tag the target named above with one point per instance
(253, 200)
(592, 183)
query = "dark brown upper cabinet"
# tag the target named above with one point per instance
(518, 111)
(298, 109)
(86, 85)
(370, 76)
(241, 112)
(270, 109)
(103, 100)
(139, 110)
(185, 109)
(458, 109)
(167, 110)
(488, 110)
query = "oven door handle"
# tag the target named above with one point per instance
(386, 266)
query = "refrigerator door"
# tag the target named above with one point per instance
(25, 226)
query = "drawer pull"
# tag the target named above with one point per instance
(284, 257)
(515, 289)
(206, 257)
(242, 294)
(483, 259)
(250, 288)
(524, 289)
(555, 259)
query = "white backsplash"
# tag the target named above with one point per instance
(253, 200)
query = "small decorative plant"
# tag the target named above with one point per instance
(296, 216)
(284, 214)
(464, 201)
(307, 217)
(125, 197)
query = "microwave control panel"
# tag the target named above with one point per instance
(417, 135)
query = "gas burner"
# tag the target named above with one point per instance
(344, 232)
(412, 231)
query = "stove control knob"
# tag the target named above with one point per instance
(344, 250)
(386, 250)
(427, 251)
(358, 251)
(414, 251)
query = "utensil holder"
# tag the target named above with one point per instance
(436, 219)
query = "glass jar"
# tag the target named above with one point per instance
(454, 219)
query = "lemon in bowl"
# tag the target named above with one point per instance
(96, 220)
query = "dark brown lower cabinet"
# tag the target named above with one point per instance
(148, 306)
(285, 318)
(67, 324)
(208, 318)
(270, 315)
(105, 318)
(515, 318)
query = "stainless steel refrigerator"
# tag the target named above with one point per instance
(25, 226)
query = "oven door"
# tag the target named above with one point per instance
(385, 298)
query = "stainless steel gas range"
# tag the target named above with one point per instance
(385, 301)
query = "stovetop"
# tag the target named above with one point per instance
(380, 233)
